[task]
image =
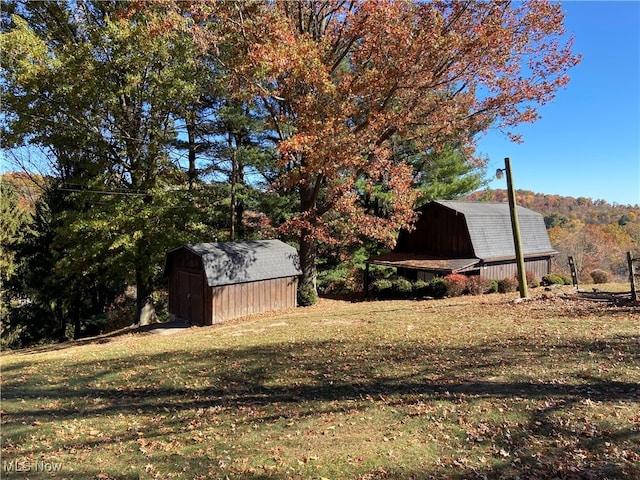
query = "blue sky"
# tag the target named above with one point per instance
(587, 143)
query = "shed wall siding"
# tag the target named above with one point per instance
(239, 300)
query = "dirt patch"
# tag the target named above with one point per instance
(580, 304)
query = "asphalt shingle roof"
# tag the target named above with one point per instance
(229, 263)
(489, 226)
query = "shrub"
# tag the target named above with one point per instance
(437, 287)
(121, 313)
(420, 289)
(507, 285)
(566, 279)
(532, 281)
(307, 296)
(402, 288)
(552, 279)
(494, 287)
(382, 288)
(556, 279)
(600, 276)
(333, 280)
(456, 284)
(95, 325)
(477, 285)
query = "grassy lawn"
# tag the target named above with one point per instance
(461, 388)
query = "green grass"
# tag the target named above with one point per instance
(468, 387)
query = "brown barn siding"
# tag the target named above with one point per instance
(231, 301)
(440, 232)
(497, 271)
(208, 305)
(540, 267)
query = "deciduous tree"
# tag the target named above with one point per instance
(99, 85)
(340, 79)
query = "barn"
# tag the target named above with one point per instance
(212, 282)
(473, 238)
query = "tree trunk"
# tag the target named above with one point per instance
(75, 308)
(148, 312)
(145, 310)
(77, 326)
(308, 257)
(140, 294)
(191, 134)
(308, 244)
(233, 200)
(58, 313)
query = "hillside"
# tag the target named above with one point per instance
(26, 186)
(586, 210)
(468, 387)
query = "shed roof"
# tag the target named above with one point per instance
(227, 263)
(489, 226)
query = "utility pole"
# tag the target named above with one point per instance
(515, 227)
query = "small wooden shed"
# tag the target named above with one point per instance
(473, 238)
(212, 282)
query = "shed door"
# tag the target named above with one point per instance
(196, 303)
(190, 297)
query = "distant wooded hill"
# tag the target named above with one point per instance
(27, 187)
(596, 233)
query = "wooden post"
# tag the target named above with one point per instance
(515, 226)
(366, 280)
(633, 276)
(574, 272)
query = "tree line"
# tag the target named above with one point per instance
(154, 124)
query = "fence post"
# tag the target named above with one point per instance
(366, 281)
(574, 272)
(633, 276)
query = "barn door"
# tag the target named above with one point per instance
(190, 297)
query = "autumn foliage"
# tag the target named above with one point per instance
(456, 284)
(329, 101)
(340, 80)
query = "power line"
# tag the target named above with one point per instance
(100, 192)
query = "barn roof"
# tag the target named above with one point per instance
(227, 263)
(489, 227)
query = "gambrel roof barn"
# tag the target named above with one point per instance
(471, 238)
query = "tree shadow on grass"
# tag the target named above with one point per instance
(301, 380)
(154, 328)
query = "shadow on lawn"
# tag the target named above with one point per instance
(296, 380)
(160, 327)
